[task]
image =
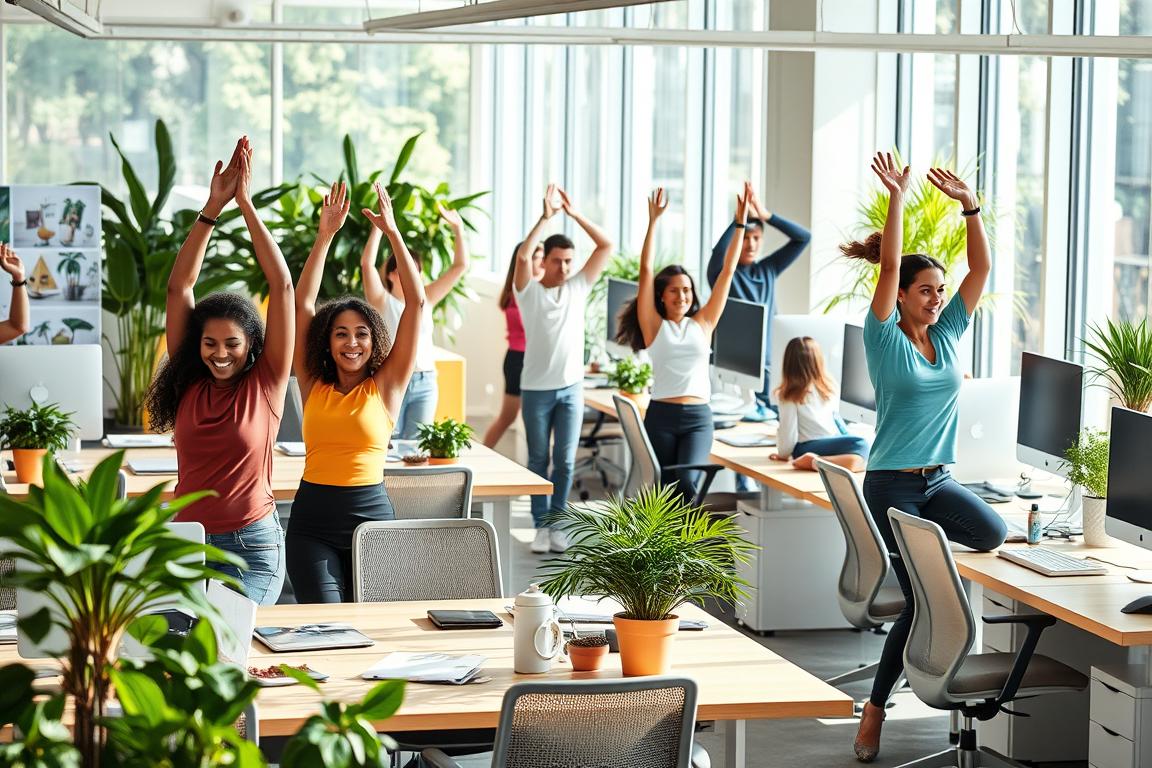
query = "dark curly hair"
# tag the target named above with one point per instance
(185, 366)
(317, 356)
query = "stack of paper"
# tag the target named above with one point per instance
(7, 627)
(140, 440)
(426, 668)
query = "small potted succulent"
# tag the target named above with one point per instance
(443, 440)
(632, 378)
(587, 653)
(1086, 461)
(32, 433)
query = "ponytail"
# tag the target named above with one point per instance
(911, 264)
(867, 249)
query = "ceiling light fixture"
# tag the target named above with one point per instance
(80, 17)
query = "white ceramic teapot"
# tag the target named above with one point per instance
(537, 638)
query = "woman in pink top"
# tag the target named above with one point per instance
(514, 359)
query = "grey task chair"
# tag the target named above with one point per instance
(424, 493)
(397, 560)
(938, 661)
(641, 723)
(604, 431)
(864, 600)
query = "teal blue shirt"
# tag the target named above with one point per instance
(915, 400)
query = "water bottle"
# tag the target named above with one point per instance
(1034, 524)
(536, 637)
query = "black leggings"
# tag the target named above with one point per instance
(319, 537)
(680, 433)
(966, 520)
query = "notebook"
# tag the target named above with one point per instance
(157, 466)
(755, 440)
(426, 668)
(138, 441)
(311, 637)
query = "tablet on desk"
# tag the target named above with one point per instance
(157, 466)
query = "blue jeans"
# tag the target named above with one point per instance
(556, 415)
(965, 518)
(837, 445)
(261, 546)
(419, 406)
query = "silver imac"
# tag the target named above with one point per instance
(857, 396)
(619, 293)
(1128, 512)
(828, 331)
(65, 374)
(986, 429)
(1051, 401)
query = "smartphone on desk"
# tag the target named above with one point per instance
(450, 619)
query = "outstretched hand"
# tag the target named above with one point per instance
(552, 206)
(450, 215)
(744, 203)
(385, 221)
(893, 179)
(226, 178)
(244, 178)
(657, 203)
(754, 205)
(953, 186)
(10, 262)
(566, 202)
(334, 209)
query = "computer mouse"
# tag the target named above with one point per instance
(1139, 605)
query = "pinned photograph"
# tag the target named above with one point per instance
(56, 216)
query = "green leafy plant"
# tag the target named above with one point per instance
(1123, 353)
(69, 265)
(651, 553)
(445, 439)
(630, 375)
(1087, 462)
(41, 426)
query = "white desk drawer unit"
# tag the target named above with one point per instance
(1120, 727)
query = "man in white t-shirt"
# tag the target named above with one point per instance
(552, 384)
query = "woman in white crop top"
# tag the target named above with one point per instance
(666, 319)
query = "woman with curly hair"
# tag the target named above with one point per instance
(222, 389)
(351, 384)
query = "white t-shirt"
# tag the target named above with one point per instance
(815, 417)
(425, 356)
(554, 333)
(680, 361)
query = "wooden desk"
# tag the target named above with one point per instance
(739, 680)
(495, 480)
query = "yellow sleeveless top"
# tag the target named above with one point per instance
(345, 436)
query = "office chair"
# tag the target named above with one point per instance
(640, 723)
(938, 661)
(864, 600)
(291, 415)
(425, 493)
(603, 432)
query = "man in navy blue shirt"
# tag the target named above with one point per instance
(755, 278)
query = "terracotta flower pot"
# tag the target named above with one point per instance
(29, 465)
(443, 460)
(645, 646)
(587, 659)
(640, 398)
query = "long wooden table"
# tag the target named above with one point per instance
(738, 679)
(495, 481)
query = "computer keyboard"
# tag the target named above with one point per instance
(1051, 563)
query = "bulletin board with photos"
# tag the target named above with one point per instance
(55, 230)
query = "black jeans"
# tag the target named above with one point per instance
(319, 537)
(680, 433)
(966, 520)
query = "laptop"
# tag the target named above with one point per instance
(153, 466)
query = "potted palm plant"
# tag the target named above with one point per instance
(1123, 353)
(443, 440)
(31, 434)
(1086, 462)
(69, 266)
(651, 554)
(632, 378)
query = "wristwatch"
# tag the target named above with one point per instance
(21, 283)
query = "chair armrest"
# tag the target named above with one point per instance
(434, 758)
(1036, 624)
(709, 471)
(1039, 619)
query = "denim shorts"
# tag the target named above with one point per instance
(261, 546)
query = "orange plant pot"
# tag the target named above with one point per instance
(640, 398)
(586, 659)
(29, 465)
(439, 460)
(645, 646)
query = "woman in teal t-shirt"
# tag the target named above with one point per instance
(910, 338)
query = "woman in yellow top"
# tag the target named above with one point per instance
(351, 384)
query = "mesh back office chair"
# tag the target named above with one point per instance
(938, 661)
(643, 723)
(864, 600)
(604, 431)
(396, 560)
(424, 493)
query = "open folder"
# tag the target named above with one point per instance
(426, 668)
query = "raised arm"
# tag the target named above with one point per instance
(280, 333)
(392, 378)
(798, 237)
(333, 212)
(892, 241)
(979, 257)
(645, 296)
(181, 298)
(374, 291)
(523, 273)
(709, 314)
(442, 285)
(19, 322)
(602, 245)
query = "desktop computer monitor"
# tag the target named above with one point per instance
(1129, 509)
(738, 345)
(68, 375)
(986, 430)
(857, 396)
(1051, 397)
(828, 332)
(619, 293)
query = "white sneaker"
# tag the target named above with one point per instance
(559, 541)
(541, 542)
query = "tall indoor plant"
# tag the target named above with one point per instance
(651, 553)
(31, 434)
(1123, 354)
(1086, 462)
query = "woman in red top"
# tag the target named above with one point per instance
(514, 359)
(222, 389)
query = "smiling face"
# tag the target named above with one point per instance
(350, 342)
(224, 348)
(923, 300)
(676, 297)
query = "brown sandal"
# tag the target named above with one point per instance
(867, 752)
